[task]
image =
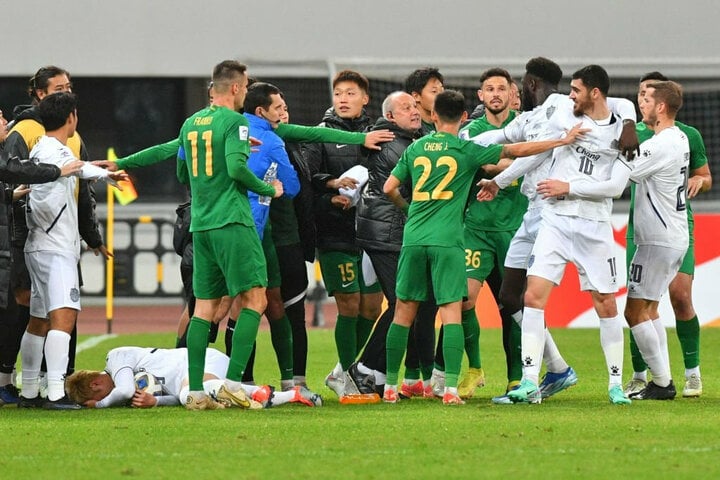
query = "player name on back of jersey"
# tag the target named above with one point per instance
(435, 146)
(202, 120)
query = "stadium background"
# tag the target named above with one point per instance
(141, 67)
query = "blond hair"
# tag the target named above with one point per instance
(78, 386)
(670, 93)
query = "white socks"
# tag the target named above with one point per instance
(648, 343)
(57, 348)
(31, 353)
(553, 360)
(533, 342)
(612, 341)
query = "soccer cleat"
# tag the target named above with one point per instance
(452, 399)
(201, 401)
(417, 389)
(618, 397)
(553, 383)
(264, 395)
(336, 383)
(504, 399)
(365, 382)
(306, 397)
(634, 386)
(428, 391)
(63, 403)
(233, 398)
(9, 394)
(653, 391)
(390, 395)
(474, 378)
(437, 381)
(527, 391)
(35, 402)
(693, 386)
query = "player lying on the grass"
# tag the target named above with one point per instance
(115, 386)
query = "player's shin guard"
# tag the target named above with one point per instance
(346, 340)
(282, 342)
(688, 332)
(471, 331)
(396, 343)
(197, 342)
(57, 346)
(453, 352)
(243, 340)
(533, 342)
(362, 330)
(611, 339)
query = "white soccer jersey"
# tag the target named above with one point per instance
(51, 211)
(589, 159)
(661, 172)
(169, 366)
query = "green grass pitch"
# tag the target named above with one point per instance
(577, 434)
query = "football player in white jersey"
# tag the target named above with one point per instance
(52, 252)
(115, 386)
(541, 100)
(578, 230)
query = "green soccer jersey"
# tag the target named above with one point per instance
(505, 212)
(442, 168)
(215, 147)
(303, 134)
(698, 158)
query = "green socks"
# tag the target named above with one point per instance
(197, 342)
(688, 332)
(453, 351)
(243, 339)
(281, 336)
(346, 340)
(471, 329)
(396, 343)
(363, 329)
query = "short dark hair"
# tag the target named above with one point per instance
(258, 95)
(544, 69)
(352, 76)
(41, 79)
(669, 93)
(594, 76)
(654, 76)
(225, 73)
(495, 72)
(55, 109)
(417, 80)
(449, 105)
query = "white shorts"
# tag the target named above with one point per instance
(216, 363)
(522, 242)
(651, 270)
(54, 282)
(586, 243)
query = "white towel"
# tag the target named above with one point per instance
(359, 173)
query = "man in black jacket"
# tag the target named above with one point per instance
(380, 230)
(339, 255)
(26, 130)
(12, 172)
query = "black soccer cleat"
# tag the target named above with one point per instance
(35, 402)
(653, 391)
(365, 382)
(63, 403)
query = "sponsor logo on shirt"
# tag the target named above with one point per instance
(244, 133)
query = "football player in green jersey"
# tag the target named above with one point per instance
(680, 290)
(441, 167)
(228, 258)
(489, 227)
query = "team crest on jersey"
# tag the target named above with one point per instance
(615, 145)
(244, 133)
(549, 111)
(646, 153)
(74, 294)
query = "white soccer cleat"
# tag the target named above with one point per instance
(693, 386)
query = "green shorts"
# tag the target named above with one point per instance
(443, 266)
(227, 261)
(271, 258)
(688, 263)
(484, 250)
(342, 273)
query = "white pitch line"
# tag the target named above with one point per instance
(93, 341)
